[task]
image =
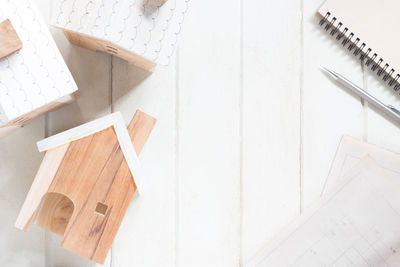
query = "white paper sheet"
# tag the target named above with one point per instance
(356, 224)
(351, 150)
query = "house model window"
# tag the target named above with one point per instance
(101, 208)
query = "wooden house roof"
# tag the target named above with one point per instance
(114, 120)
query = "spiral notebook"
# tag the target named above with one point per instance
(368, 28)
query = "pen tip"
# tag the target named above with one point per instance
(332, 74)
(323, 69)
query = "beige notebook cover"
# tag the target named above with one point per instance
(375, 24)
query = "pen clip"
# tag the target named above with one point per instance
(393, 109)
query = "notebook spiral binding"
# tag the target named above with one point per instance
(368, 57)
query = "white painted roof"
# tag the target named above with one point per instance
(36, 74)
(145, 27)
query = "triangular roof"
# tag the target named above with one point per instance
(113, 120)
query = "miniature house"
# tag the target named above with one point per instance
(86, 181)
(143, 32)
(34, 78)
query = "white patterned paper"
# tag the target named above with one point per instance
(144, 27)
(36, 75)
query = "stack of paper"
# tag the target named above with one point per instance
(357, 220)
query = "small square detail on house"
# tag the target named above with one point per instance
(101, 208)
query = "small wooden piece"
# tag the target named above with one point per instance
(21, 120)
(9, 40)
(159, 2)
(83, 189)
(96, 44)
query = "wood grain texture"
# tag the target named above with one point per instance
(9, 40)
(209, 136)
(141, 235)
(40, 185)
(54, 213)
(24, 119)
(96, 44)
(105, 85)
(380, 129)
(271, 121)
(92, 73)
(19, 248)
(92, 171)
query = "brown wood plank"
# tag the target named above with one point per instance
(140, 128)
(93, 171)
(9, 40)
(96, 44)
(43, 180)
(90, 173)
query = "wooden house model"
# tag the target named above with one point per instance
(86, 181)
(143, 32)
(34, 78)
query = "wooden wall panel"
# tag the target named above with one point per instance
(208, 216)
(328, 111)
(147, 233)
(271, 120)
(379, 129)
(19, 162)
(92, 73)
(247, 128)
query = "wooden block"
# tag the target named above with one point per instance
(21, 120)
(83, 189)
(9, 40)
(96, 44)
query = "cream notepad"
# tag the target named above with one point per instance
(369, 29)
(355, 224)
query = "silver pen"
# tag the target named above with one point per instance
(387, 109)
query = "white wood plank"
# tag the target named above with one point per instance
(271, 120)
(92, 73)
(328, 110)
(379, 129)
(19, 161)
(209, 136)
(147, 233)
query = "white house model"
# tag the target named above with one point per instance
(143, 32)
(35, 78)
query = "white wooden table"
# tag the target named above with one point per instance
(247, 128)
